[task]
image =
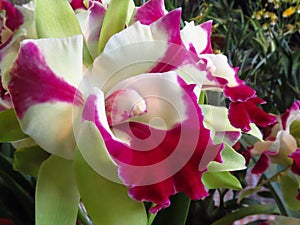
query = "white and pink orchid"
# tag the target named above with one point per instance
(281, 146)
(138, 100)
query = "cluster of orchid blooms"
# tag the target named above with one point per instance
(138, 95)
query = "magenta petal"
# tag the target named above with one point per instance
(150, 12)
(261, 165)
(33, 82)
(296, 161)
(257, 115)
(241, 114)
(77, 4)
(238, 116)
(239, 93)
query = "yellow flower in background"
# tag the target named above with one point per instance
(289, 11)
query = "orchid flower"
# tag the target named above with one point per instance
(132, 114)
(281, 146)
(119, 105)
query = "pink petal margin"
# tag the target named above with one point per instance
(296, 161)
(261, 165)
(132, 161)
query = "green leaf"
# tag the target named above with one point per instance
(231, 161)
(247, 211)
(213, 180)
(56, 19)
(114, 21)
(106, 202)
(177, 213)
(10, 129)
(289, 188)
(57, 197)
(29, 160)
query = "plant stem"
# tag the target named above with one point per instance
(83, 217)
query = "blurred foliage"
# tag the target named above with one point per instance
(16, 190)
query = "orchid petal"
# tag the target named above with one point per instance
(216, 120)
(93, 149)
(56, 19)
(293, 114)
(9, 48)
(261, 165)
(260, 147)
(140, 44)
(197, 37)
(241, 114)
(239, 93)
(296, 161)
(255, 132)
(218, 68)
(106, 202)
(117, 12)
(231, 161)
(284, 144)
(123, 104)
(169, 169)
(43, 91)
(150, 12)
(91, 22)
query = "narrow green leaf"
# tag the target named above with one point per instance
(21, 196)
(6, 167)
(56, 19)
(114, 21)
(29, 160)
(106, 202)
(231, 161)
(289, 187)
(177, 213)
(247, 211)
(57, 197)
(10, 129)
(213, 180)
